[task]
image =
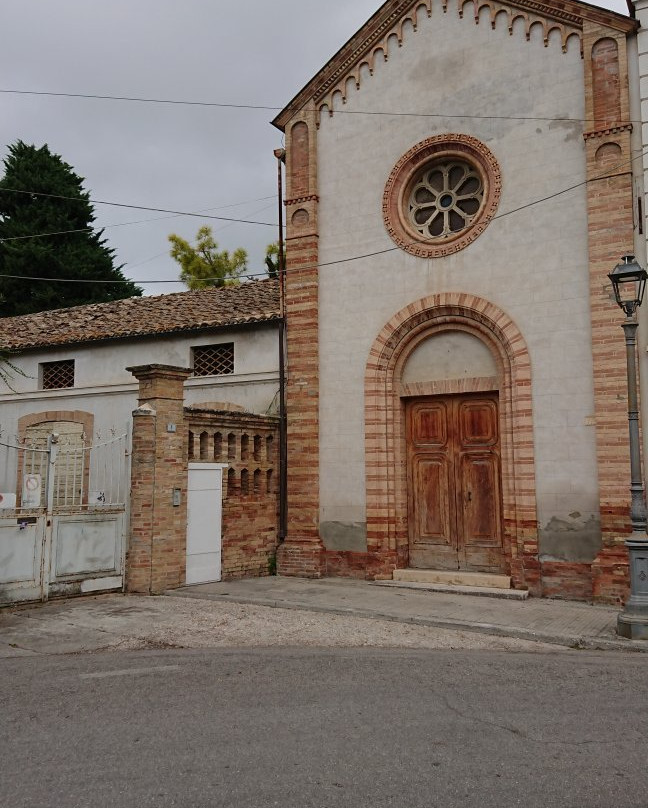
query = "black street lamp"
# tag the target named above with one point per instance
(629, 283)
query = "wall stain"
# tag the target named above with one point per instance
(344, 536)
(573, 129)
(576, 541)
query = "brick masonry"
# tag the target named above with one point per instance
(302, 553)
(156, 554)
(611, 235)
(248, 444)
(387, 530)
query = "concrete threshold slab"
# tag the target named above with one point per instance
(478, 591)
(452, 577)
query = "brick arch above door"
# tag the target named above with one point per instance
(384, 425)
(54, 416)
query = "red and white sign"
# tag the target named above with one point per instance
(7, 501)
(31, 493)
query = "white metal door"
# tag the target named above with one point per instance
(204, 518)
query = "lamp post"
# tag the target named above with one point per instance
(629, 283)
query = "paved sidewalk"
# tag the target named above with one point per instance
(567, 623)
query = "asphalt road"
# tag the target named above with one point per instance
(338, 727)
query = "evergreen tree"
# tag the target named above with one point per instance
(82, 254)
(203, 266)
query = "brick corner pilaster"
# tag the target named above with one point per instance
(302, 553)
(610, 206)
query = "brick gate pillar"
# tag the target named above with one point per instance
(156, 554)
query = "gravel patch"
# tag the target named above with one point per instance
(139, 623)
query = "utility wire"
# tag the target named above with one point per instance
(137, 207)
(253, 275)
(166, 252)
(267, 108)
(138, 221)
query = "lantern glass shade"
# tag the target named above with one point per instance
(629, 284)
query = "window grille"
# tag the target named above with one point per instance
(57, 375)
(213, 360)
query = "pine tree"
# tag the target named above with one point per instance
(82, 254)
(204, 265)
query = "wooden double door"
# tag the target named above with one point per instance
(454, 482)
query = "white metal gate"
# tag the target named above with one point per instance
(63, 530)
(204, 522)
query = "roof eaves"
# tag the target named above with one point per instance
(375, 26)
(137, 335)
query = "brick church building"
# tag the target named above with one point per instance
(460, 183)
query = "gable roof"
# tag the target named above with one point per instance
(253, 302)
(566, 15)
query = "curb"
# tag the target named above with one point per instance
(566, 641)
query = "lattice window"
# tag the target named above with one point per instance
(213, 360)
(57, 375)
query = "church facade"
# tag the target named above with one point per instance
(460, 182)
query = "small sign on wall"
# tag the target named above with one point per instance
(31, 491)
(8, 501)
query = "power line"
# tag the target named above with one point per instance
(137, 207)
(138, 221)
(622, 164)
(267, 108)
(254, 275)
(166, 252)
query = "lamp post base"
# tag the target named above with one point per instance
(632, 627)
(632, 623)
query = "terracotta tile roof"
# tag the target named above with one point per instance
(253, 302)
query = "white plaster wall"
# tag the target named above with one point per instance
(449, 355)
(104, 387)
(533, 263)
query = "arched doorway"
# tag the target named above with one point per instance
(448, 398)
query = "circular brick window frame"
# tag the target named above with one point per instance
(432, 150)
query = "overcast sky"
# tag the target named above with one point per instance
(175, 157)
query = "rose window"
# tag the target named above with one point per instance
(441, 195)
(445, 198)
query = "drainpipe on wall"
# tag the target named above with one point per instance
(280, 154)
